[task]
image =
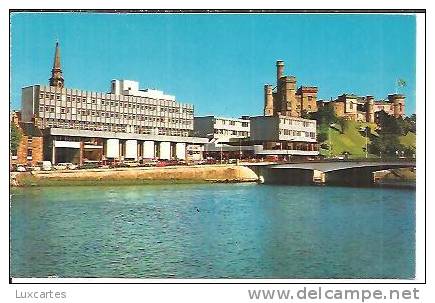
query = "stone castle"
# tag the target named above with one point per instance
(285, 100)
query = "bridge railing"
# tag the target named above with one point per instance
(332, 160)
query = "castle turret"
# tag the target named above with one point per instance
(56, 72)
(268, 100)
(370, 109)
(279, 70)
(398, 101)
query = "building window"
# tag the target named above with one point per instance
(29, 152)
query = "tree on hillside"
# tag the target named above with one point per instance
(15, 138)
(390, 125)
(410, 123)
(343, 124)
(385, 145)
(306, 115)
(390, 129)
(325, 115)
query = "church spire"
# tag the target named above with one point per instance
(56, 73)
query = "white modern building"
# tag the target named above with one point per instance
(219, 129)
(283, 135)
(258, 137)
(125, 123)
(130, 110)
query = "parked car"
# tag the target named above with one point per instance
(339, 158)
(149, 162)
(59, 166)
(62, 166)
(45, 165)
(34, 168)
(118, 165)
(197, 162)
(89, 165)
(210, 161)
(21, 168)
(131, 163)
(71, 166)
(272, 158)
(161, 163)
(181, 162)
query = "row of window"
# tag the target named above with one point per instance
(293, 122)
(171, 110)
(103, 114)
(231, 132)
(79, 99)
(288, 132)
(231, 122)
(117, 128)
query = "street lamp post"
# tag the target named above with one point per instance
(329, 138)
(240, 148)
(366, 143)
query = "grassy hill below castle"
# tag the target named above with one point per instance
(353, 140)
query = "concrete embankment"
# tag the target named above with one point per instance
(140, 175)
(401, 177)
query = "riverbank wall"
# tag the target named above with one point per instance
(139, 175)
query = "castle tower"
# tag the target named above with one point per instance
(398, 101)
(279, 70)
(56, 79)
(268, 100)
(288, 101)
(370, 109)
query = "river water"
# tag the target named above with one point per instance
(213, 231)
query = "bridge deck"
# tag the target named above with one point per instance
(332, 166)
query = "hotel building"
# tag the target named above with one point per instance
(258, 137)
(284, 136)
(126, 123)
(219, 129)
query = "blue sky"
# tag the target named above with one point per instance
(217, 62)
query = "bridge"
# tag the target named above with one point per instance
(350, 173)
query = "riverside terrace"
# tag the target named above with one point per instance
(349, 172)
